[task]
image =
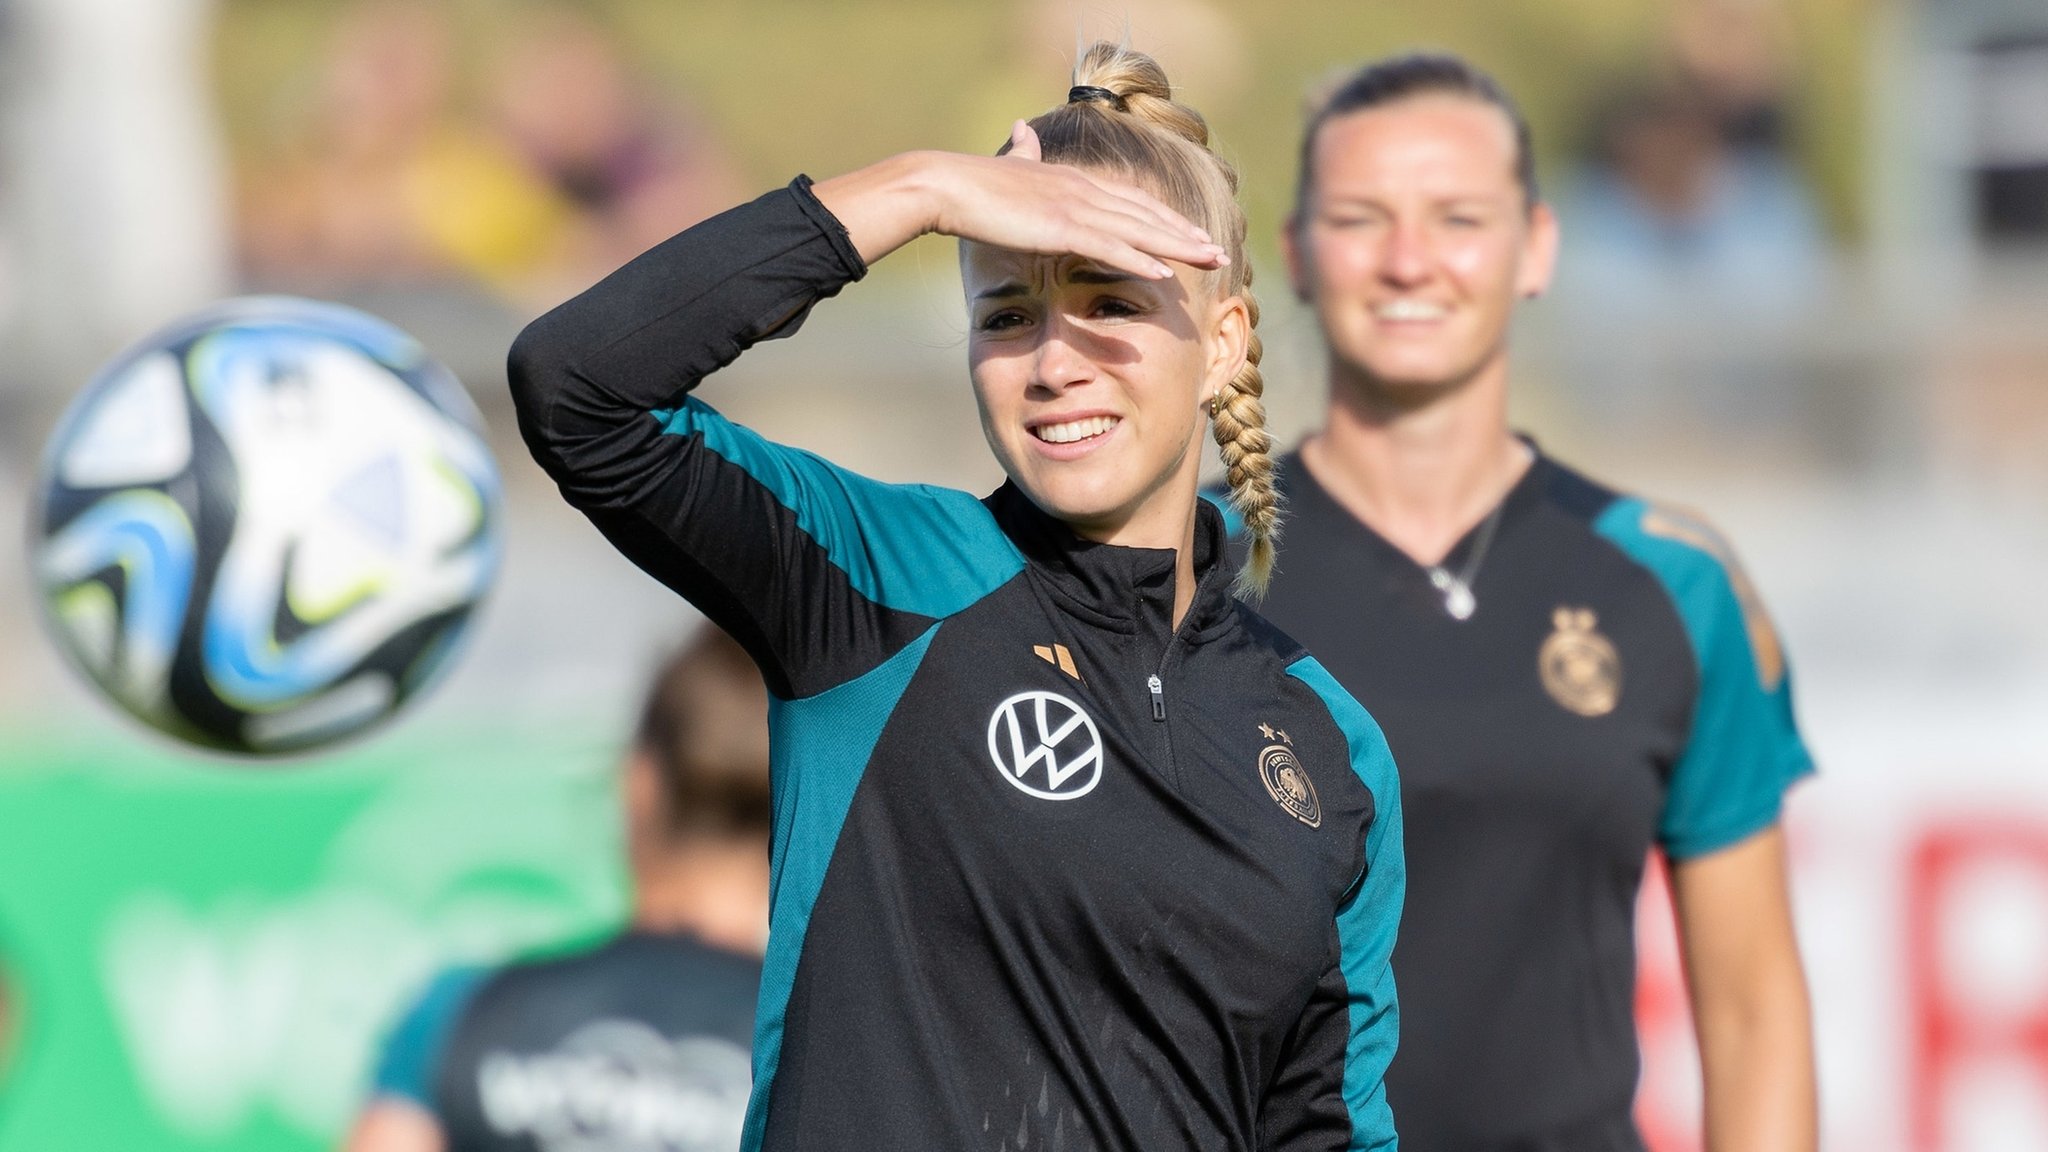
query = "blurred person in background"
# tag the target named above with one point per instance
(642, 1043)
(1072, 849)
(1689, 196)
(637, 168)
(1567, 675)
(1731, 54)
(1671, 212)
(569, 168)
(391, 182)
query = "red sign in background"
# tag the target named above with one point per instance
(1952, 1010)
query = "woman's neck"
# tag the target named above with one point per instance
(1166, 519)
(715, 888)
(1421, 472)
(1177, 533)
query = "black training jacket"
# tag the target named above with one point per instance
(1047, 873)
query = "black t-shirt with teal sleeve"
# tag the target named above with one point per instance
(1618, 687)
(641, 1045)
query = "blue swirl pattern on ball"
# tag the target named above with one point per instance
(147, 538)
(338, 510)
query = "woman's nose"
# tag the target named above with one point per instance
(1059, 362)
(1405, 255)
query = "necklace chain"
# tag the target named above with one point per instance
(1457, 589)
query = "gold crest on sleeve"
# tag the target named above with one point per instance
(1286, 781)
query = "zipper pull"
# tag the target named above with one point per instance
(1158, 697)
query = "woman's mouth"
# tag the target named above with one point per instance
(1075, 431)
(1408, 310)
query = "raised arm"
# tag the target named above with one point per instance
(818, 572)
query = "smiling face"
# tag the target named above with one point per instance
(1414, 242)
(1093, 386)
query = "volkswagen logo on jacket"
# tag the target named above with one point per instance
(1045, 745)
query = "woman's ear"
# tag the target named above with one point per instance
(1539, 252)
(1230, 336)
(1290, 247)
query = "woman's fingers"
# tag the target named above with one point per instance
(1128, 219)
(1122, 228)
(1139, 220)
(1023, 141)
(1024, 145)
(1018, 202)
(1149, 205)
(1125, 258)
(1015, 201)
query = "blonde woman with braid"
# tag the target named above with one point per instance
(1071, 849)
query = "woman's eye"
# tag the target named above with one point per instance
(1001, 321)
(1115, 308)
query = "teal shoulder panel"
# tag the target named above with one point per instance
(821, 745)
(910, 547)
(412, 1055)
(1743, 750)
(1368, 919)
(1233, 520)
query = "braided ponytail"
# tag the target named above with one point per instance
(1122, 118)
(1239, 425)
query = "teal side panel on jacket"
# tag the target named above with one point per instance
(821, 748)
(1367, 922)
(1233, 521)
(1744, 749)
(910, 547)
(412, 1055)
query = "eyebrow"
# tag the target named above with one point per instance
(1099, 276)
(1006, 288)
(1449, 199)
(1078, 276)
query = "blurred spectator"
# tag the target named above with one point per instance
(388, 184)
(1670, 213)
(637, 169)
(569, 170)
(1688, 198)
(643, 1041)
(1730, 54)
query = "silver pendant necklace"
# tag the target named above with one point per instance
(1457, 588)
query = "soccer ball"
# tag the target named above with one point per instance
(266, 527)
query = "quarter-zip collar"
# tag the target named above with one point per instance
(1113, 586)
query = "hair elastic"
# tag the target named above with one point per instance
(1089, 93)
